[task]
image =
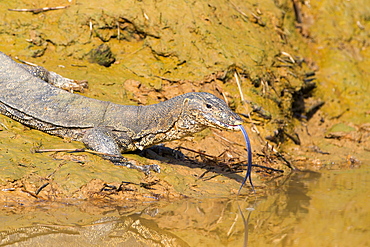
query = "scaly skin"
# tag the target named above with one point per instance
(55, 79)
(103, 126)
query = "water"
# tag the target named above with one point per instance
(330, 208)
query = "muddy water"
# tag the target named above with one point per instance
(329, 208)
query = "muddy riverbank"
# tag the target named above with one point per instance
(301, 71)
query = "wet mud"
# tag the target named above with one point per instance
(270, 73)
(296, 72)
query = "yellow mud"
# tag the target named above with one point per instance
(166, 48)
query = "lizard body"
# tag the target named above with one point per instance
(101, 125)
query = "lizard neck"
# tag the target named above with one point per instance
(165, 121)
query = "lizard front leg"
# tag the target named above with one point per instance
(55, 79)
(102, 140)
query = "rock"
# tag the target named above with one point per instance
(102, 55)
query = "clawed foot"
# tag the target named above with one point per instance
(145, 168)
(121, 161)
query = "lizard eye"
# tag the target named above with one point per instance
(209, 106)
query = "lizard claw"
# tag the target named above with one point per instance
(145, 168)
(155, 168)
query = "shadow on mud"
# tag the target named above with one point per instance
(211, 164)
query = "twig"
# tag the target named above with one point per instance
(225, 98)
(197, 152)
(37, 11)
(74, 150)
(341, 114)
(4, 126)
(25, 62)
(167, 79)
(239, 11)
(118, 31)
(286, 161)
(30, 193)
(232, 225)
(203, 174)
(288, 55)
(211, 177)
(268, 168)
(297, 11)
(237, 76)
(41, 187)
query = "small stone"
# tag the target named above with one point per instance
(102, 55)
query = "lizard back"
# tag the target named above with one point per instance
(25, 93)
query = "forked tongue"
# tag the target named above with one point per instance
(249, 150)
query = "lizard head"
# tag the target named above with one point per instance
(208, 110)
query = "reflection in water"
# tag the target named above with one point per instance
(283, 209)
(181, 223)
(107, 231)
(311, 209)
(307, 209)
(246, 223)
(296, 191)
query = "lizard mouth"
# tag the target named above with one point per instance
(221, 125)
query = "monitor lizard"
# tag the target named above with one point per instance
(27, 97)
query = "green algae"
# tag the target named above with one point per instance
(341, 127)
(340, 31)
